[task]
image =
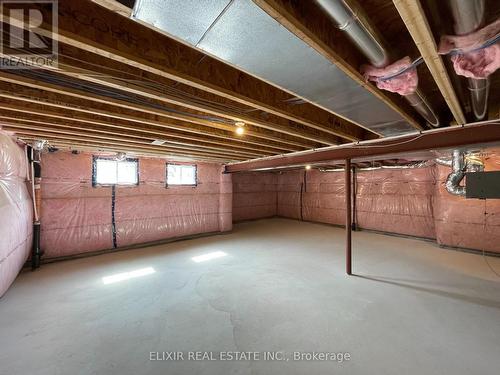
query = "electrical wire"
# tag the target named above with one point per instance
(457, 51)
(391, 144)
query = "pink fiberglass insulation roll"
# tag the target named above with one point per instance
(469, 55)
(78, 217)
(16, 211)
(396, 201)
(405, 83)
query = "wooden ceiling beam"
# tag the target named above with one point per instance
(94, 68)
(115, 6)
(125, 130)
(309, 23)
(12, 85)
(33, 111)
(416, 22)
(96, 29)
(63, 113)
(114, 80)
(65, 128)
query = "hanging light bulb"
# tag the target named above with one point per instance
(308, 167)
(239, 127)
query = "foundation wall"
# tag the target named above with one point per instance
(77, 217)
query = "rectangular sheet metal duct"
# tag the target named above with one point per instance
(242, 34)
(483, 185)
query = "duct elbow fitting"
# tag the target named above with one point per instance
(456, 176)
(453, 184)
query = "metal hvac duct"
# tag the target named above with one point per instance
(469, 16)
(457, 174)
(352, 21)
(460, 163)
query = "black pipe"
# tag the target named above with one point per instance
(348, 218)
(354, 224)
(36, 252)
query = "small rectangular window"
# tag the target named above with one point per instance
(181, 175)
(108, 171)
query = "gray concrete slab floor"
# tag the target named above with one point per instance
(269, 286)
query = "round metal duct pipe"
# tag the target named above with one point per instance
(354, 23)
(347, 21)
(469, 16)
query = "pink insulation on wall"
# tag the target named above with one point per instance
(254, 196)
(467, 223)
(397, 201)
(77, 217)
(16, 211)
(289, 190)
(323, 197)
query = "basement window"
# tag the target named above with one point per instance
(109, 172)
(181, 175)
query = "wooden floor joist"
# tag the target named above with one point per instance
(46, 111)
(93, 147)
(415, 20)
(69, 128)
(26, 118)
(95, 29)
(117, 142)
(309, 23)
(115, 6)
(15, 86)
(324, 134)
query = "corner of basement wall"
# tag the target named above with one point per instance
(411, 202)
(254, 195)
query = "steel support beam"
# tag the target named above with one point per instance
(457, 136)
(348, 221)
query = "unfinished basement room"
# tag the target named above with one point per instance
(250, 187)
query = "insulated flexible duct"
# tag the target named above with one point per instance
(457, 174)
(355, 25)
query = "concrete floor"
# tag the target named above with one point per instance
(413, 309)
